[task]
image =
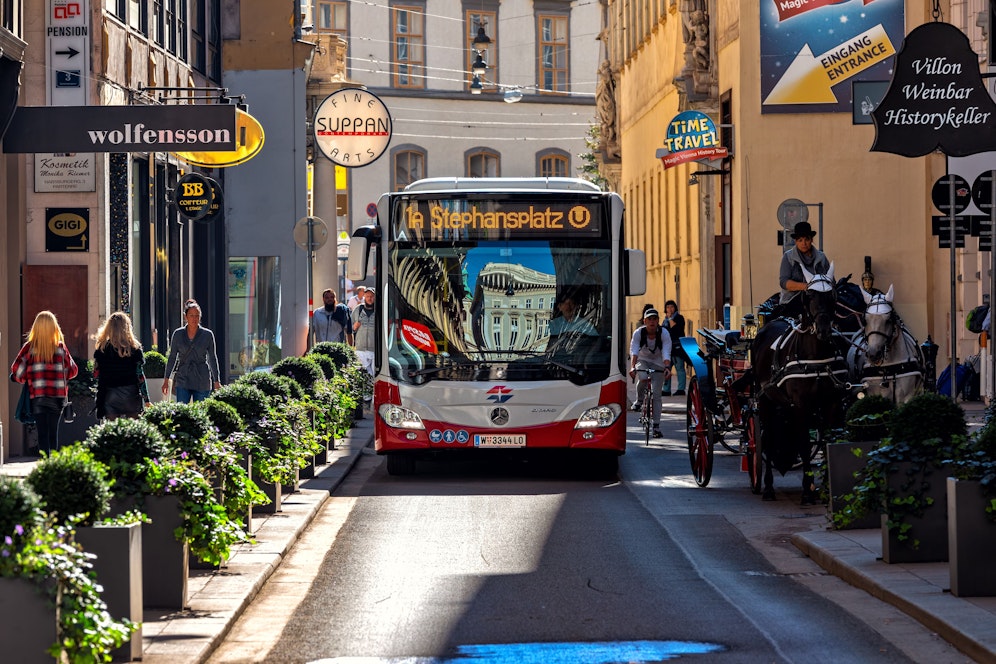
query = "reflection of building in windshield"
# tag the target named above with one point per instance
(511, 307)
(434, 290)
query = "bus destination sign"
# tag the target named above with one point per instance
(489, 218)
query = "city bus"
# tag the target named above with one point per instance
(501, 319)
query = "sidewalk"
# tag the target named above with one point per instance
(216, 599)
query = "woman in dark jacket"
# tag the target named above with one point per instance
(118, 366)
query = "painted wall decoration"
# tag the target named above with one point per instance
(813, 50)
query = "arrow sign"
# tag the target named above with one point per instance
(70, 53)
(809, 78)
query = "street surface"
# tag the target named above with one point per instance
(499, 562)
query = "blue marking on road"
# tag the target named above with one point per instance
(601, 652)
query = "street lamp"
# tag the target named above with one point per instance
(479, 66)
(481, 41)
(476, 87)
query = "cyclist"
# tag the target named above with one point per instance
(650, 348)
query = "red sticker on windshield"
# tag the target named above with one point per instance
(418, 335)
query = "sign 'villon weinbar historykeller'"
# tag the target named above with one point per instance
(173, 128)
(352, 127)
(936, 99)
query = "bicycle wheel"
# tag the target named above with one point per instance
(648, 412)
(700, 435)
(755, 466)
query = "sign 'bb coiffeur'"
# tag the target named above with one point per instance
(194, 195)
(352, 127)
(936, 99)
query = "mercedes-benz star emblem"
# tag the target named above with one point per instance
(499, 416)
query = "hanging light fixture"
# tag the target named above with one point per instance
(512, 95)
(476, 87)
(479, 66)
(481, 41)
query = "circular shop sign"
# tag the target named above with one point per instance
(193, 195)
(352, 127)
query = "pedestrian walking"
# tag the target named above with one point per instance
(119, 367)
(332, 321)
(365, 330)
(192, 366)
(674, 323)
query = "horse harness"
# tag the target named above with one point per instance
(786, 363)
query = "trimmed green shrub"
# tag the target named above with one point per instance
(155, 364)
(19, 506)
(70, 481)
(927, 416)
(248, 400)
(293, 388)
(342, 354)
(302, 370)
(124, 445)
(270, 384)
(223, 416)
(868, 418)
(325, 362)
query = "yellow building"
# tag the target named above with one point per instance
(716, 242)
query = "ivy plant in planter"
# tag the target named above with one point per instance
(977, 462)
(37, 550)
(924, 434)
(342, 355)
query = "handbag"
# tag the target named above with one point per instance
(68, 413)
(23, 412)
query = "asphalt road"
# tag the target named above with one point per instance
(526, 562)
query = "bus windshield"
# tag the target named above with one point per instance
(504, 295)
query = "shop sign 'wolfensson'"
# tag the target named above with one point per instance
(936, 100)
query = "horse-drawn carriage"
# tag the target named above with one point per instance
(761, 392)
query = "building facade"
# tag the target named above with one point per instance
(715, 239)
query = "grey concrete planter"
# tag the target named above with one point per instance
(971, 540)
(273, 491)
(164, 558)
(28, 623)
(931, 530)
(118, 567)
(842, 464)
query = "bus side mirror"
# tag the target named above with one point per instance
(359, 251)
(636, 272)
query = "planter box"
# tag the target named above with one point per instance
(971, 540)
(295, 484)
(274, 492)
(155, 386)
(931, 530)
(164, 559)
(841, 466)
(28, 623)
(118, 567)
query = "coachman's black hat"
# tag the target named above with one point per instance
(803, 229)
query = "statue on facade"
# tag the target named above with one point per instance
(605, 102)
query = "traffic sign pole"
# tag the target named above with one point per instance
(952, 233)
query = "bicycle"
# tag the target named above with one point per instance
(646, 410)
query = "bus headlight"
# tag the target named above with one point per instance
(599, 416)
(399, 417)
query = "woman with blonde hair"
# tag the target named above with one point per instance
(46, 367)
(118, 366)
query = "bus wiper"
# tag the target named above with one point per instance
(566, 367)
(426, 371)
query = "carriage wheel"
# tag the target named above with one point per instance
(755, 467)
(700, 435)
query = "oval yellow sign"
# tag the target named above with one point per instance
(249, 139)
(67, 224)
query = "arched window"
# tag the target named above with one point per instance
(553, 163)
(482, 163)
(407, 165)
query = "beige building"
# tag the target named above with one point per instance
(715, 242)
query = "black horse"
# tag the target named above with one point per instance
(799, 376)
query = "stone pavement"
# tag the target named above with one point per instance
(217, 598)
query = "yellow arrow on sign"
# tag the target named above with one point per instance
(809, 78)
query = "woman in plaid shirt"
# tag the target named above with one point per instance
(45, 365)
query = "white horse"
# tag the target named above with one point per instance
(885, 357)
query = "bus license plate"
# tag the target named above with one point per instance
(499, 440)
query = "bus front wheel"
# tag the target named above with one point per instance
(399, 463)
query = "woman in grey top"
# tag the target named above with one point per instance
(192, 354)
